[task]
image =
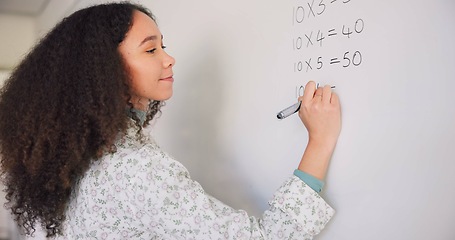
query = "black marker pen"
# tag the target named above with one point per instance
(289, 111)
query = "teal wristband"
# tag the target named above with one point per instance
(311, 181)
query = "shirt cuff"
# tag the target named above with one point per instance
(311, 181)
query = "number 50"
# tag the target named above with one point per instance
(356, 59)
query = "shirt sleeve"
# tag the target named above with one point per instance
(311, 181)
(173, 206)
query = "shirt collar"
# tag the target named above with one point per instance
(139, 113)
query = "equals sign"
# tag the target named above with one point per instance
(332, 32)
(334, 61)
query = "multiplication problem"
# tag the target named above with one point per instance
(312, 9)
(312, 38)
(349, 59)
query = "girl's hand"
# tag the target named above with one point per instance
(320, 113)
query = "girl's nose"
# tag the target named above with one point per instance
(169, 61)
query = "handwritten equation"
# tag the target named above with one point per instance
(312, 38)
(348, 59)
(309, 45)
(312, 9)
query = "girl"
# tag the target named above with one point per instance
(77, 160)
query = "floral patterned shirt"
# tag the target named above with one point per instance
(140, 192)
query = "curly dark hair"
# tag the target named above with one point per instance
(61, 109)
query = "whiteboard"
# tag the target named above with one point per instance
(239, 62)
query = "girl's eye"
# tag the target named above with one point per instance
(154, 49)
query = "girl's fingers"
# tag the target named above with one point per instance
(308, 93)
(335, 100)
(318, 94)
(314, 93)
(326, 94)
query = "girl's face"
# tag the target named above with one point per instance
(149, 66)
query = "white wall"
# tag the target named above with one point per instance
(16, 38)
(54, 12)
